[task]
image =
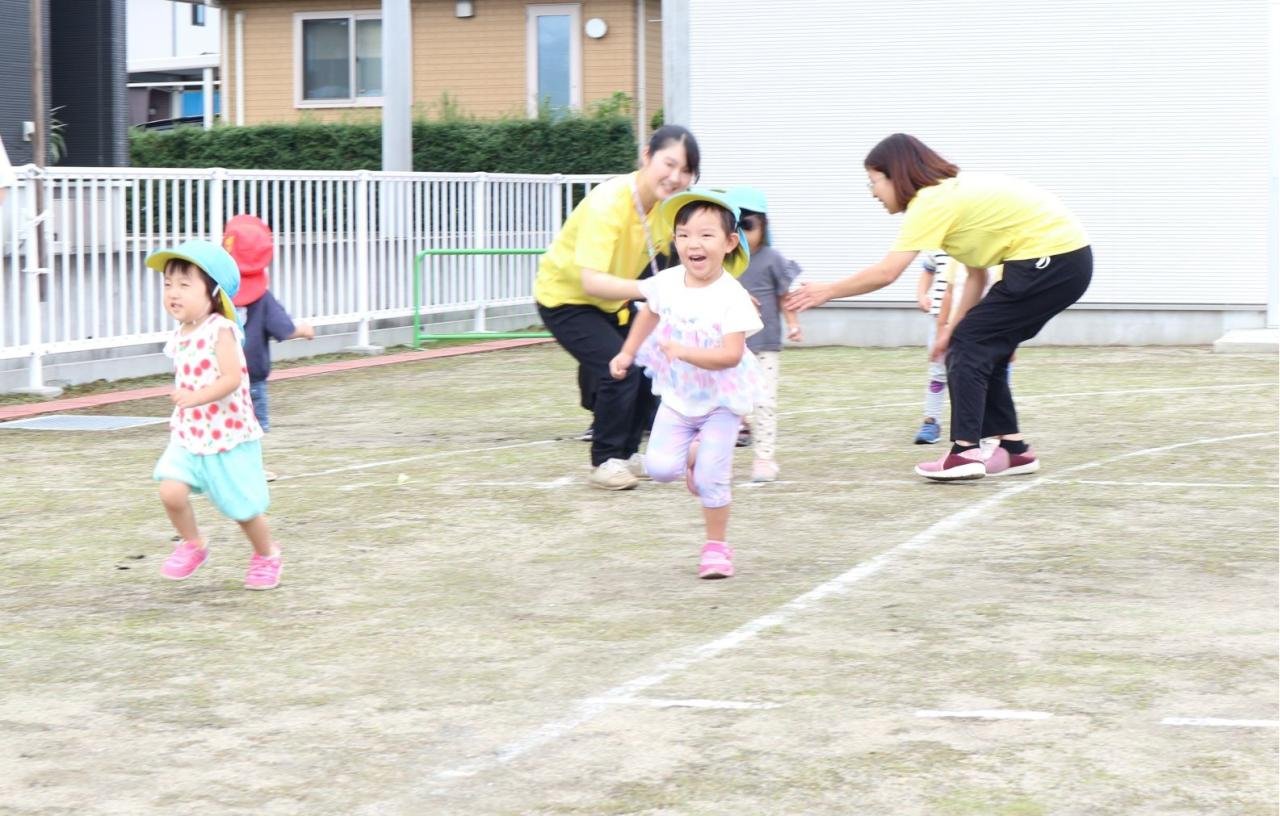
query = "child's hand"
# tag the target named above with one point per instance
(941, 342)
(304, 330)
(925, 303)
(620, 364)
(184, 398)
(673, 351)
(795, 334)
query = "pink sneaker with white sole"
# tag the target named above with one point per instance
(716, 560)
(186, 558)
(264, 572)
(1003, 463)
(954, 467)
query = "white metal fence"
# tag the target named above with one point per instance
(344, 245)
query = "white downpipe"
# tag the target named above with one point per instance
(1273, 181)
(642, 91)
(224, 61)
(207, 89)
(239, 67)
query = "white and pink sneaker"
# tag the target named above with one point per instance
(186, 558)
(264, 572)
(716, 560)
(954, 467)
(1003, 463)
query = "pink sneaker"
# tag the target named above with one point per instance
(954, 467)
(264, 572)
(1003, 463)
(716, 560)
(186, 558)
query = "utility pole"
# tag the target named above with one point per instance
(39, 107)
(40, 134)
(397, 85)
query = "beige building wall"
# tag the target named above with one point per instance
(480, 61)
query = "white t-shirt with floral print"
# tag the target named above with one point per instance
(215, 427)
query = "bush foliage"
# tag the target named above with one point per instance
(567, 145)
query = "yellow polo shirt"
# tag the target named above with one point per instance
(982, 219)
(603, 233)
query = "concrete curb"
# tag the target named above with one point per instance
(94, 400)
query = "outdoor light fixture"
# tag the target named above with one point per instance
(596, 28)
(464, 8)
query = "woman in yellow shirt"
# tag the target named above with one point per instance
(614, 230)
(980, 220)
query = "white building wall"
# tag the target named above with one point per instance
(1149, 118)
(159, 29)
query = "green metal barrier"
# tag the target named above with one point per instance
(478, 333)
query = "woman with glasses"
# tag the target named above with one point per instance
(980, 220)
(615, 230)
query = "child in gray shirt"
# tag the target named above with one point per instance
(768, 278)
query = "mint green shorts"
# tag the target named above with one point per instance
(234, 481)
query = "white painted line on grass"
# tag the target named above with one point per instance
(1101, 483)
(731, 705)
(1216, 722)
(986, 714)
(1020, 397)
(416, 458)
(586, 710)
(589, 708)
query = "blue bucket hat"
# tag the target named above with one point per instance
(216, 262)
(736, 262)
(749, 199)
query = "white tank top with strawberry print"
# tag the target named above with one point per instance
(215, 427)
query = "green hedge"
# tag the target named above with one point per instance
(572, 145)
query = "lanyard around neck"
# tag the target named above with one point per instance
(644, 222)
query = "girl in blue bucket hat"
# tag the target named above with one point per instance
(214, 438)
(768, 278)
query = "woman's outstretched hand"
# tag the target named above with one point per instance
(806, 296)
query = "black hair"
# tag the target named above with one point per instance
(764, 221)
(667, 135)
(727, 220)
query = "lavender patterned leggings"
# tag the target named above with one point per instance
(668, 451)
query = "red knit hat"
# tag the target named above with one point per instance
(249, 240)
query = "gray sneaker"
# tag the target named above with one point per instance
(636, 465)
(613, 474)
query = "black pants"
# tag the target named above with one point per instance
(1029, 294)
(622, 409)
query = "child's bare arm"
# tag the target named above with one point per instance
(305, 330)
(643, 325)
(229, 375)
(727, 355)
(598, 284)
(794, 332)
(922, 290)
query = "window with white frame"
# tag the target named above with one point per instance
(553, 43)
(338, 58)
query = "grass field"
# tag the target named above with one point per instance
(466, 628)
